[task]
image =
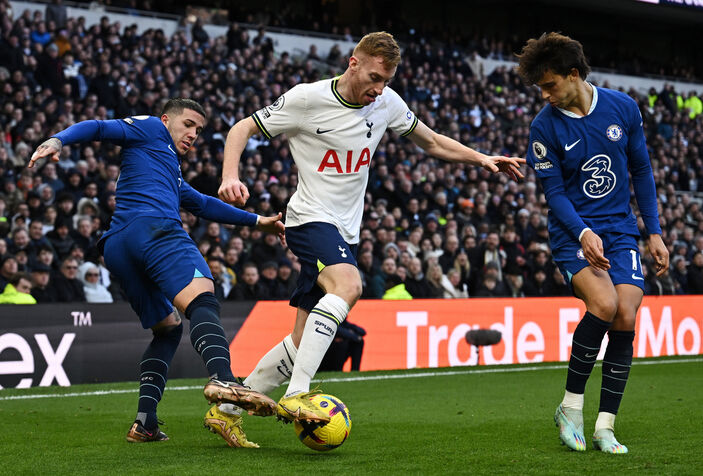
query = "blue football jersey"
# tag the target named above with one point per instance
(583, 164)
(150, 182)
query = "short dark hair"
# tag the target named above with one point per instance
(17, 277)
(176, 105)
(551, 52)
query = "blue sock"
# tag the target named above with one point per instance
(208, 336)
(154, 369)
(616, 370)
(584, 350)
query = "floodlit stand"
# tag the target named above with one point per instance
(481, 337)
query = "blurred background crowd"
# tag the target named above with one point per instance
(430, 229)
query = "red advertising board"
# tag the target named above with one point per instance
(430, 333)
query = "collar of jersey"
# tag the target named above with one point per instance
(339, 97)
(594, 101)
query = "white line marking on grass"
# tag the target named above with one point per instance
(360, 378)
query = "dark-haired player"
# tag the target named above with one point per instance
(154, 259)
(582, 146)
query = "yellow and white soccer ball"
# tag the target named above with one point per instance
(326, 436)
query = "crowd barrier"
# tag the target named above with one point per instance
(431, 333)
(66, 344)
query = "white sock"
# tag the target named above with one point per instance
(319, 332)
(230, 409)
(572, 400)
(274, 368)
(605, 421)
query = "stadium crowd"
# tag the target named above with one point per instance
(430, 229)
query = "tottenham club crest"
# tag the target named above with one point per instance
(614, 132)
(278, 104)
(539, 150)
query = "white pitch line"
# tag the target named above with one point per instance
(361, 378)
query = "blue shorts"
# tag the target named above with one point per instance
(153, 259)
(316, 244)
(621, 250)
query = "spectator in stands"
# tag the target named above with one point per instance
(18, 290)
(8, 268)
(60, 237)
(287, 276)
(221, 278)
(269, 279)
(249, 288)
(93, 290)
(416, 283)
(491, 284)
(65, 283)
(267, 249)
(695, 274)
(434, 280)
(453, 286)
(348, 344)
(41, 290)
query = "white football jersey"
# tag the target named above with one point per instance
(332, 142)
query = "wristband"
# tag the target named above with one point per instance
(584, 231)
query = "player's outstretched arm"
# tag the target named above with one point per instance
(232, 190)
(659, 252)
(446, 148)
(49, 148)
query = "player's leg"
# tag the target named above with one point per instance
(328, 286)
(208, 338)
(595, 288)
(626, 273)
(174, 263)
(121, 252)
(153, 375)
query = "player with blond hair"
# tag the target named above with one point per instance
(333, 127)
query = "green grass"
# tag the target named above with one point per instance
(455, 421)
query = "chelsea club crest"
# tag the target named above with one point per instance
(614, 132)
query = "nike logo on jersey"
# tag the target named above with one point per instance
(634, 276)
(568, 147)
(323, 131)
(317, 329)
(588, 356)
(171, 149)
(618, 371)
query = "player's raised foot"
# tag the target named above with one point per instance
(570, 424)
(138, 434)
(229, 427)
(604, 440)
(298, 407)
(255, 403)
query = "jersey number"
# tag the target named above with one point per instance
(602, 180)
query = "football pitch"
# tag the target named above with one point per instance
(461, 420)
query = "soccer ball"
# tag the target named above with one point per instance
(325, 436)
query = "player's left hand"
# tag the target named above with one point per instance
(508, 165)
(274, 225)
(49, 148)
(660, 253)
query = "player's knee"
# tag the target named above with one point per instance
(171, 332)
(207, 300)
(605, 307)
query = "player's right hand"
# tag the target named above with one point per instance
(233, 191)
(592, 247)
(273, 225)
(49, 148)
